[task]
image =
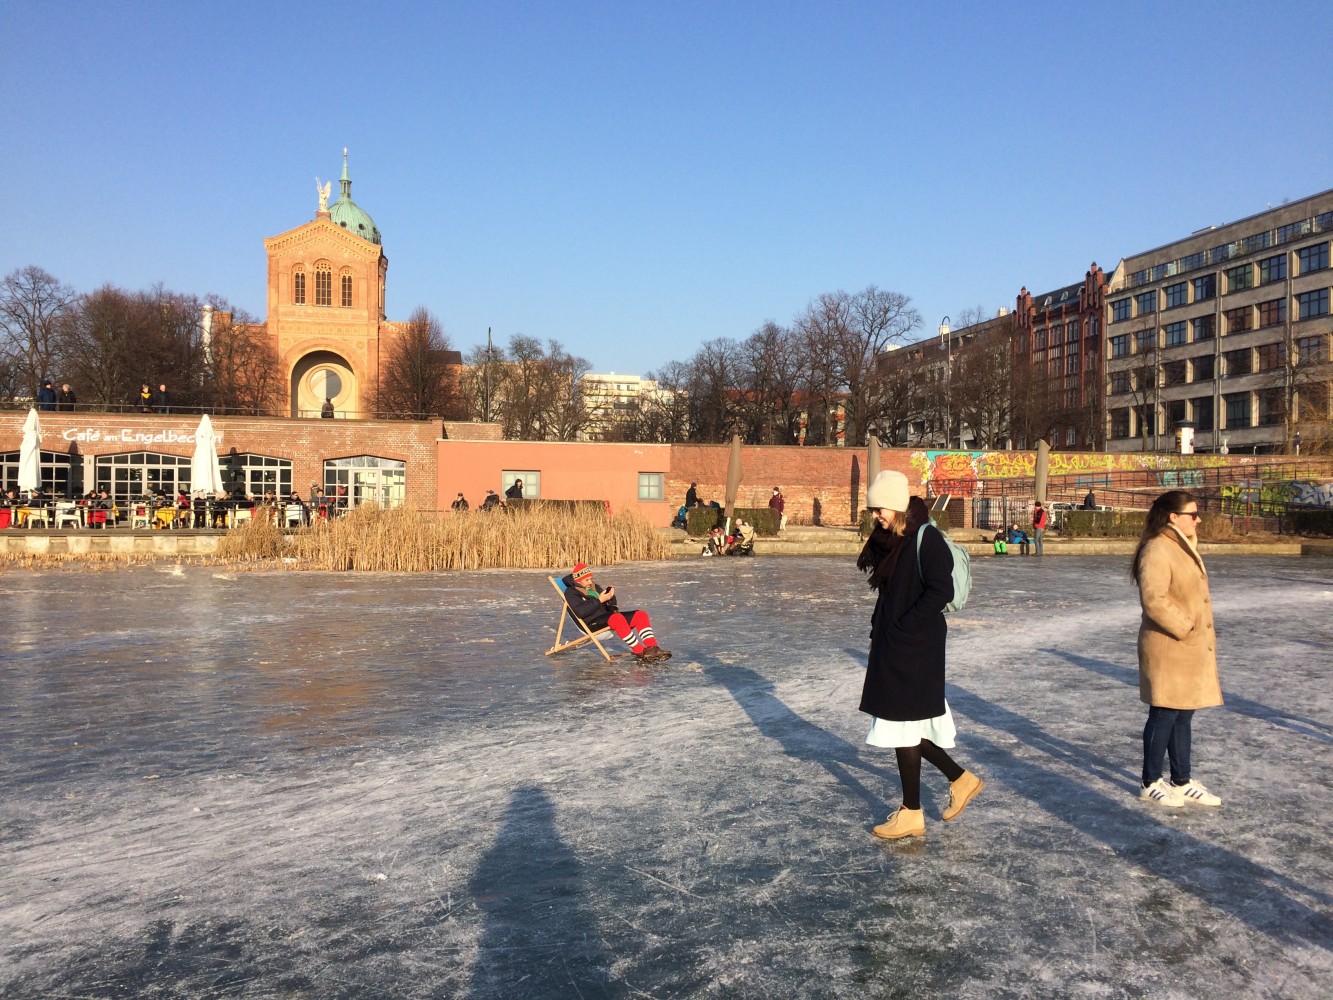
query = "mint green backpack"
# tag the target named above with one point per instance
(962, 568)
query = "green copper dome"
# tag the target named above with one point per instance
(351, 216)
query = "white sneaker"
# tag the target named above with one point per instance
(1163, 793)
(1195, 794)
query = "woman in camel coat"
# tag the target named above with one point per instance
(1177, 647)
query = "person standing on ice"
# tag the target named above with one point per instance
(1177, 647)
(904, 684)
(597, 608)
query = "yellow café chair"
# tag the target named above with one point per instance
(586, 634)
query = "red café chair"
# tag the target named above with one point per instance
(5, 515)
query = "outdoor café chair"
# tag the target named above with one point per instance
(67, 515)
(140, 516)
(586, 634)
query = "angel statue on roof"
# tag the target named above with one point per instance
(323, 190)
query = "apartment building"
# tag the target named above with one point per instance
(950, 390)
(1227, 332)
(614, 402)
(1059, 386)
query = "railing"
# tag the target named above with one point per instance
(1256, 491)
(1246, 245)
(23, 405)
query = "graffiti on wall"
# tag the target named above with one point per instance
(1312, 494)
(960, 472)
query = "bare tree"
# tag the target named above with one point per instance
(663, 413)
(418, 376)
(244, 373)
(769, 372)
(981, 389)
(712, 391)
(116, 340)
(33, 307)
(564, 414)
(846, 333)
(101, 336)
(1035, 403)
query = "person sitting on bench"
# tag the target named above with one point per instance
(597, 609)
(1019, 537)
(1001, 543)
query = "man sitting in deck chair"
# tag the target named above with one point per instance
(597, 609)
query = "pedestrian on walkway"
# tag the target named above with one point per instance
(904, 684)
(1040, 519)
(1177, 647)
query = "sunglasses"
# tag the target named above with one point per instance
(1189, 513)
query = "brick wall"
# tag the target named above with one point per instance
(819, 485)
(306, 443)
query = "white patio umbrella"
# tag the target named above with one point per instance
(205, 470)
(30, 453)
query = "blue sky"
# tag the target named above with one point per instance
(633, 179)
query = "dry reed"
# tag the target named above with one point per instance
(406, 540)
(256, 540)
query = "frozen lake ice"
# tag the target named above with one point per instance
(326, 786)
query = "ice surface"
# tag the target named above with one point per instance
(308, 785)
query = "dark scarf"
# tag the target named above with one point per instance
(880, 554)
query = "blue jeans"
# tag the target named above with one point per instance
(1167, 734)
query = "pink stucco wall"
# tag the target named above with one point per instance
(569, 471)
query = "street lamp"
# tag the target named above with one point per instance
(486, 404)
(948, 378)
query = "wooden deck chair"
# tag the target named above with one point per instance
(585, 633)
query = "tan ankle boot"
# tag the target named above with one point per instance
(904, 823)
(961, 792)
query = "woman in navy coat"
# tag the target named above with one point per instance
(904, 684)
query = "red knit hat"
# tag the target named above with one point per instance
(581, 571)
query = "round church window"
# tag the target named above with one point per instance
(325, 383)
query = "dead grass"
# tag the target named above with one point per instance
(406, 540)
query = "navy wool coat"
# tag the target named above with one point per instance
(905, 674)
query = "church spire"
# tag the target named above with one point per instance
(345, 182)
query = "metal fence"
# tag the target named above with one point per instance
(1264, 495)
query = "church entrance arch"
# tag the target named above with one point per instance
(321, 376)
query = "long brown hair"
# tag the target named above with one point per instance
(882, 548)
(1159, 518)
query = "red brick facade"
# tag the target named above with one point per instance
(819, 485)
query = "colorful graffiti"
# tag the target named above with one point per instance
(959, 472)
(1312, 494)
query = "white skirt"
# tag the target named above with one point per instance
(939, 730)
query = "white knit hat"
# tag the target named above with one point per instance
(889, 490)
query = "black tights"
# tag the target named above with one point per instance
(909, 769)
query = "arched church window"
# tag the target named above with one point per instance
(298, 285)
(346, 277)
(323, 285)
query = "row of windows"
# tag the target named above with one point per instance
(1270, 269)
(1245, 361)
(1067, 334)
(323, 286)
(1309, 305)
(1239, 411)
(134, 475)
(1237, 248)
